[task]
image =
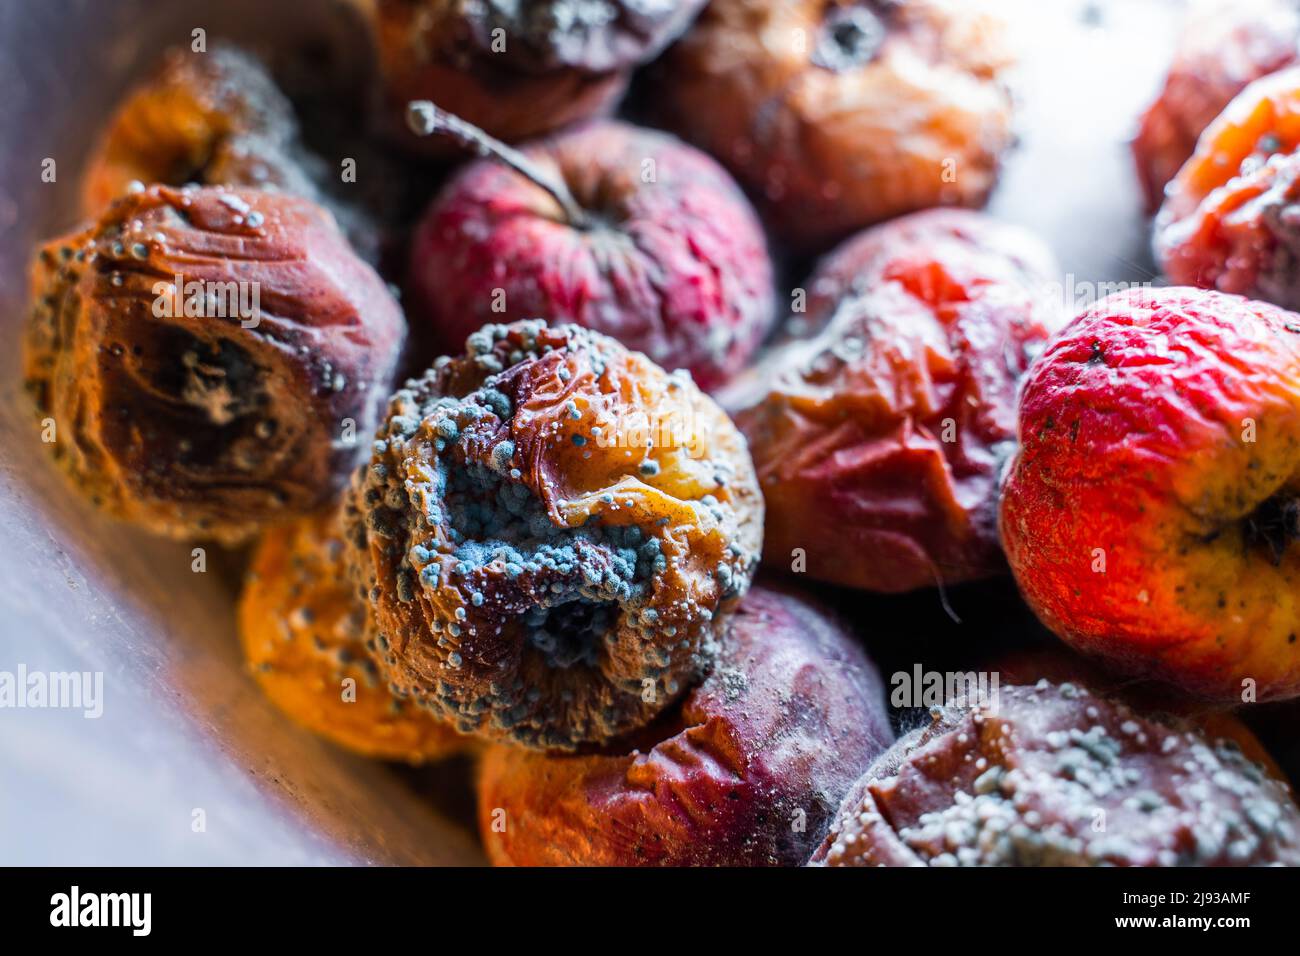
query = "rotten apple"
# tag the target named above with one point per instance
(878, 434)
(519, 70)
(1151, 514)
(1223, 46)
(619, 229)
(838, 114)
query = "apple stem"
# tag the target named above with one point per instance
(425, 118)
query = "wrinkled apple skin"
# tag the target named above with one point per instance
(208, 426)
(1142, 522)
(746, 773)
(1223, 47)
(676, 267)
(215, 118)
(879, 437)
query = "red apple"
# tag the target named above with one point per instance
(1229, 220)
(878, 436)
(622, 230)
(1152, 511)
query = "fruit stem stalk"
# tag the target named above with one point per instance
(427, 119)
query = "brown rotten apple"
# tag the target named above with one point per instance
(838, 114)
(520, 69)
(1152, 512)
(622, 230)
(206, 360)
(216, 119)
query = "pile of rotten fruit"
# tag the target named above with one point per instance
(542, 548)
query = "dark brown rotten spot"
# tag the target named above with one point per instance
(1273, 525)
(177, 409)
(850, 37)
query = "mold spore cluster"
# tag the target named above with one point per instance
(747, 770)
(527, 582)
(1058, 776)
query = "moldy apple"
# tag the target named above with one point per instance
(1023, 782)
(544, 563)
(746, 771)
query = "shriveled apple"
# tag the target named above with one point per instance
(1152, 513)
